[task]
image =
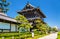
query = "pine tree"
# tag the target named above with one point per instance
(3, 6)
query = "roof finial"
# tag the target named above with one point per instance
(27, 2)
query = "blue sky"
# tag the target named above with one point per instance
(51, 8)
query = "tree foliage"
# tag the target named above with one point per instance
(54, 29)
(24, 22)
(42, 26)
(21, 18)
(4, 6)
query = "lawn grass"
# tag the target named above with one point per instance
(37, 36)
(9, 35)
(24, 35)
(58, 35)
(15, 35)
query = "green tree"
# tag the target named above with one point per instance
(49, 29)
(54, 29)
(41, 26)
(24, 27)
(3, 6)
(24, 22)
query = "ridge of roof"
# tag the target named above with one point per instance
(28, 6)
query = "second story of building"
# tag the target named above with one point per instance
(31, 13)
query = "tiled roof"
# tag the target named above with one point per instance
(29, 7)
(5, 17)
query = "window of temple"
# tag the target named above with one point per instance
(4, 25)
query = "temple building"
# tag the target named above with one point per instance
(32, 13)
(7, 24)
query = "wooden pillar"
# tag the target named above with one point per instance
(16, 27)
(2, 30)
(10, 28)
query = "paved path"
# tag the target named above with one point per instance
(51, 36)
